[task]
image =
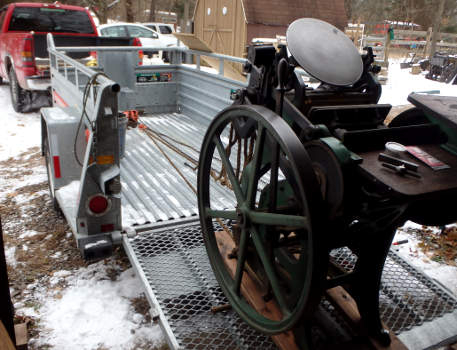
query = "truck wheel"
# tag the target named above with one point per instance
(17, 93)
(47, 155)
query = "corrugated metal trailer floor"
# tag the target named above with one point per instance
(171, 260)
(152, 190)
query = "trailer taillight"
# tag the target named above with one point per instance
(98, 204)
(27, 50)
(107, 228)
(137, 42)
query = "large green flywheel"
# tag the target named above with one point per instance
(272, 211)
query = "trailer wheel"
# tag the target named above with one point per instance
(18, 94)
(47, 155)
(260, 206)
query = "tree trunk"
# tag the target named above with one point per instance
(436, 26)
(129, 11)
(186, 22)
(152, 11)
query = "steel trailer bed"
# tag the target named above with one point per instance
(169, 255)
(159, 228)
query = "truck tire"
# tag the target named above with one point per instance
(47, 155)
(18, 94)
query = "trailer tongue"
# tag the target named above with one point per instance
(154, 186)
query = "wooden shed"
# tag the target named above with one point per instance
(227, 26)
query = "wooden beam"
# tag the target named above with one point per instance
(195, 43)
(347, 305)
(5, 340)
(253, 295)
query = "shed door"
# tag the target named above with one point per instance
(218, 25)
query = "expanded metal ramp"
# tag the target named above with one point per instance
(175, 265)
(178, 277)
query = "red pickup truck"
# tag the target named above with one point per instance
(24, 58)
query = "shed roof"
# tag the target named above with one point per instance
(284, 12)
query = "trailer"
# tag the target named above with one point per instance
(122, 145)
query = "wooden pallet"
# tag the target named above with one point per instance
(340, 299)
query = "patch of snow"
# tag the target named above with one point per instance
(10, 254)
(18, 305)
(401, 83)
(95, 244)
(27, 311)
(25, 247)
(28, 234)
(62, 273)
(56, 255)
(94, 312)
(19, 132)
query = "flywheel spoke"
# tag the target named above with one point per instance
(274, 177)
(270, 272)
(241, 260)
(229, 169)
(222, 214)
(273, 219)
(256, 161)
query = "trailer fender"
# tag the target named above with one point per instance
(59, 129)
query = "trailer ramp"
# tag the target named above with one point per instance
(173, 262)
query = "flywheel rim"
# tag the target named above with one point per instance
(296, 154)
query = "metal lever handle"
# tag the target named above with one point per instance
(398, 162)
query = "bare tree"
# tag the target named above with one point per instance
(129, 11)
(436, 26)
(152, 11)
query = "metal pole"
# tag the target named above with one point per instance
(6, 311)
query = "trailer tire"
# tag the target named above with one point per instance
(18, 94)
(47, 155)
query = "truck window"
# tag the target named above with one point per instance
(44, 19)
(165, 30)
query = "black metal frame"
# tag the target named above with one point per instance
(364, 212)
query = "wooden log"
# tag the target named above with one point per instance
(252, 293)
(347, 305)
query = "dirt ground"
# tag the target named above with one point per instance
(51, 247)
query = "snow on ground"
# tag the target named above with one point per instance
(94, 311)
(89, 307)
(18, 132)
(401, 83)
